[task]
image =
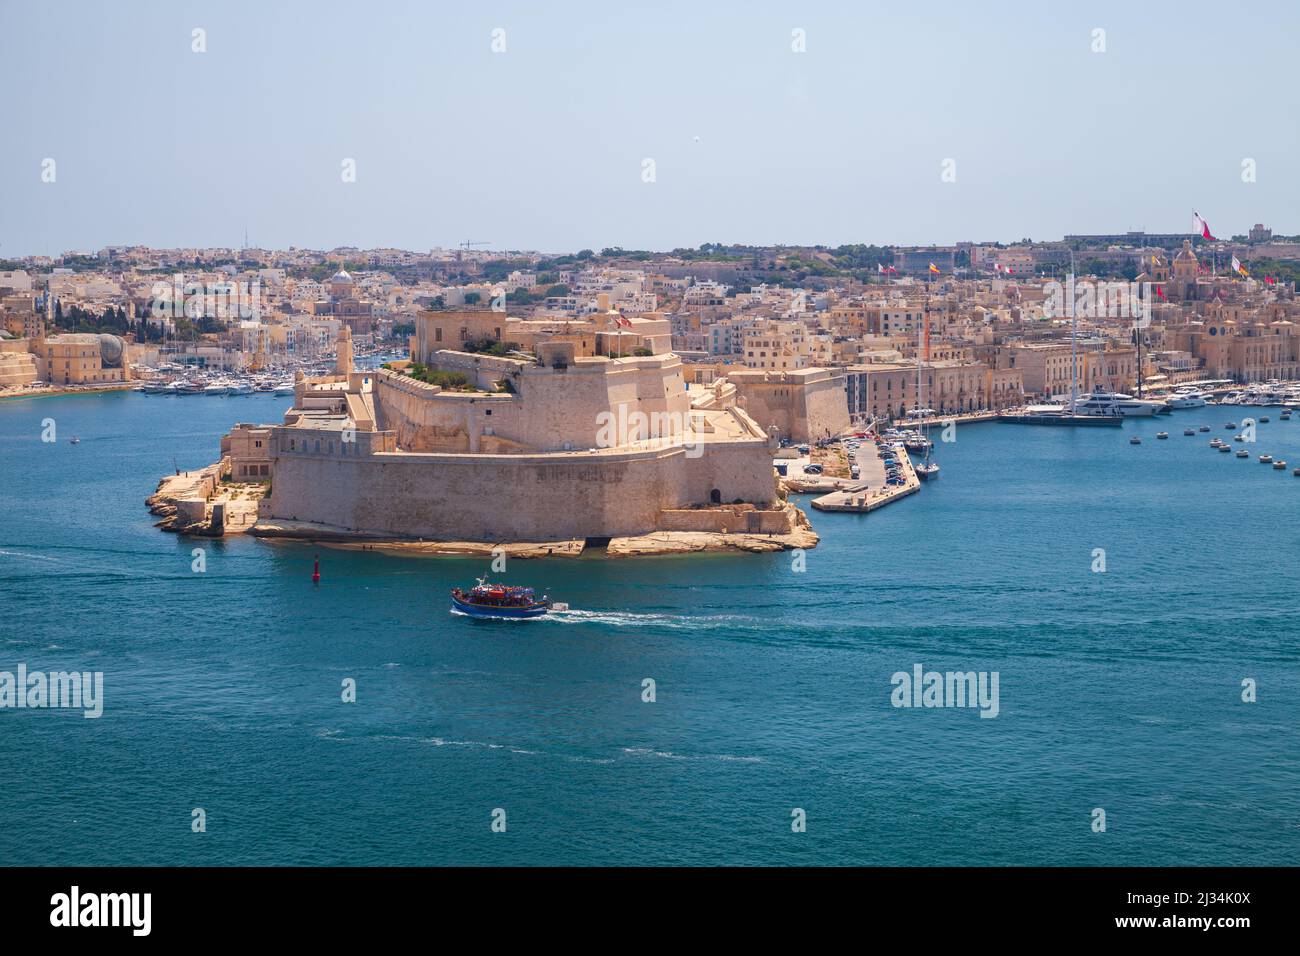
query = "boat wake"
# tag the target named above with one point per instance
(647, 619)
(628, 752)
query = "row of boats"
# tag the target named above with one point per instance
(1111, 408)
(221, 386)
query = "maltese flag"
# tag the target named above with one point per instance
(1200, 225)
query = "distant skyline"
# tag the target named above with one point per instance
(544, 146)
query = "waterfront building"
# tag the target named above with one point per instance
(83, 359)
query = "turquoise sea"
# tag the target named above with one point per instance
(1119, 690)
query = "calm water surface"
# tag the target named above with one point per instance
(1119, 690)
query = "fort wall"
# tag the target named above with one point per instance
(513, 497)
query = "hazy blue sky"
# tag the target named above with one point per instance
(541, 147)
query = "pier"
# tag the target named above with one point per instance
(870, 491)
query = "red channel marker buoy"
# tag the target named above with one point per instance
(315, 571)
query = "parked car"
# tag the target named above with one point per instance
(812, 470)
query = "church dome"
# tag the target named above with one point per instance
(342, 276)
(110, 350)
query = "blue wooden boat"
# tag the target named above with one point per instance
(499, 600)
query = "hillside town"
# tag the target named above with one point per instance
(813, 339)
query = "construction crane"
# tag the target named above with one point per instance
(470, 243)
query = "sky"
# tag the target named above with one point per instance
(898, 123)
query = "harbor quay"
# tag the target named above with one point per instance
(871, 491)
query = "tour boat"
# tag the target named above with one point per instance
(499, 600)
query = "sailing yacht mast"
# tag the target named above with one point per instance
(1074, 350)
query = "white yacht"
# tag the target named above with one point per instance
(1113, 403)
(1265, 395)
(1187, 399)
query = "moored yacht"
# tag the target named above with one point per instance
(1114, 403)
(1188, 399)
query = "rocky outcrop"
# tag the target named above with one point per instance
(199, 503)
(800, 535)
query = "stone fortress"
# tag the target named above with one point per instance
(570, 432)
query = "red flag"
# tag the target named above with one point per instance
(1160, 293)
(1201, 226)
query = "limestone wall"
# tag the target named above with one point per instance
(512, 498)
(804, 405)
(736, 519)
(553, 409)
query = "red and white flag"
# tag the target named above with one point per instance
(1200, 225)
